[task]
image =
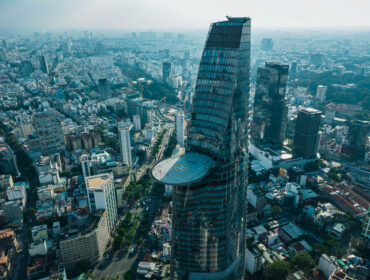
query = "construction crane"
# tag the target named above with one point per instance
(163, 99)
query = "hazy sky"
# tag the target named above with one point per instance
(186, 14)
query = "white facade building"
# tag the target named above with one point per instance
(15, 193)
(125, 142)
(180, 131)
(51, 177)
(101, 195)
(253, 259)
(321, 93)
(45, 192)
(38, 248)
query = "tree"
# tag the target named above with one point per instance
(117, 242)
(82, 267)
(278, 270)
(276, 210)
(303, 261)
(127, 275)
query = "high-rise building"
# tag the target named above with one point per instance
(101, 195)
(307, 137)
(125, 142)
(43, 64)
(329, 116)
(8, 160)
(270, 110)
(146, 113)
(180, 132)
(5, 44)
(89, 244)
(137, 122)
(357, 137)
(267, 44)
(166, 71)
(366, 225)
(89, 167)
(27, 68)
(210, 179)
(3, 55)
(104, 89)
(49, 131)
(187, 55)
(321, 93)
(293, 69)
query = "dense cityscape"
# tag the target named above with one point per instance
(229, 154)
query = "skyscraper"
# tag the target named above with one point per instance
(357, 137)
(270, 110)
(180, 128)
(125, 142)
(43, 64)
(49, 131)
(101, 195)
(210, 180)
(27, 68)
(8, 160)
(104, 89)
(307, 137)
(321, 93)
(166, 71)
(267, 44)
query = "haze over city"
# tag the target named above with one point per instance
(172, 14)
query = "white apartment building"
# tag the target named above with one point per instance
(125, 142)
(15, 193)
(101, 195)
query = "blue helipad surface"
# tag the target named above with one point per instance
(182, 170)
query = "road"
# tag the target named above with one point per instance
(21, 259)
(119, 262)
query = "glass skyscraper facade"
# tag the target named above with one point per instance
(210, 181)
(270, 110)
(307, 137)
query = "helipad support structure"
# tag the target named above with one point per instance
(184, 170)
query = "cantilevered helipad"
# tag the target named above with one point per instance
(183, 170)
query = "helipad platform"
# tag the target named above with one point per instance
(183, 170)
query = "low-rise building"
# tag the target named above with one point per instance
(253, 259)
(39, 233)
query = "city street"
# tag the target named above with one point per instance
(121, 261)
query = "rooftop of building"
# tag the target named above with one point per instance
(97, 181)
(185, 169)
(89, 226)
(238, 19)
(5, 233)
(310, 110)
